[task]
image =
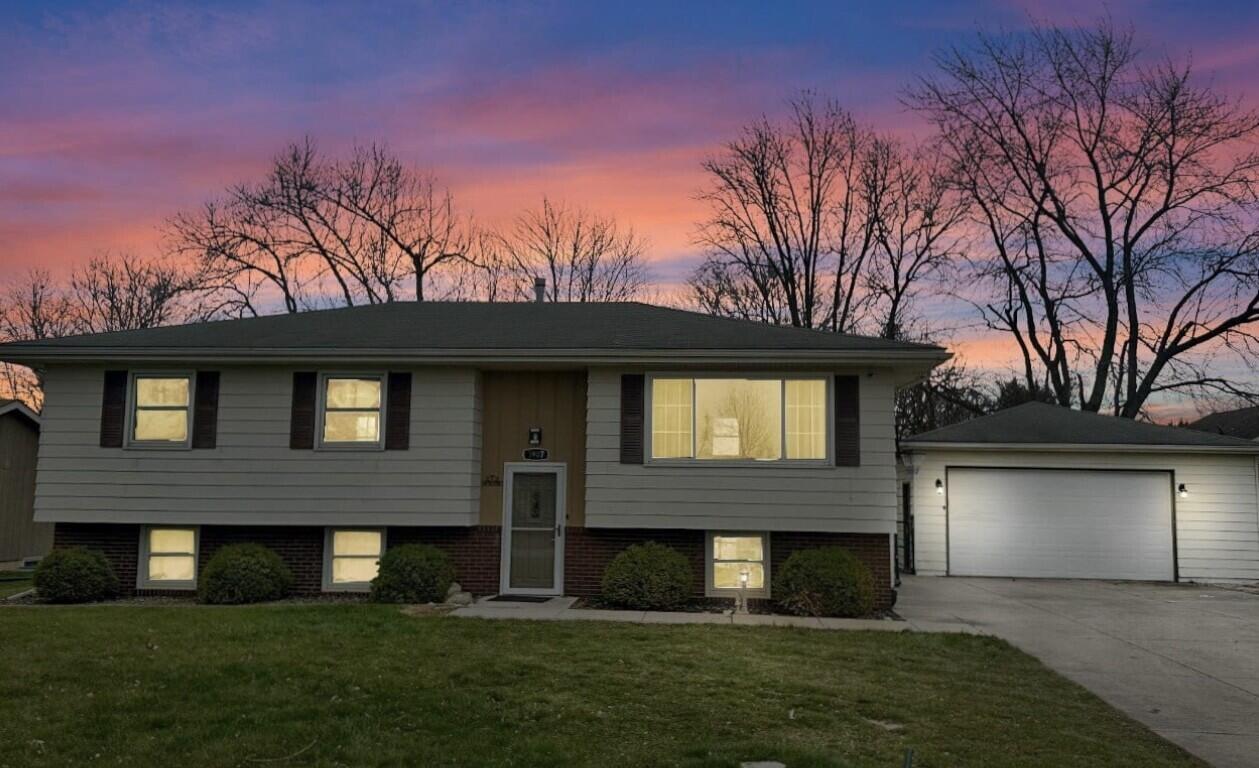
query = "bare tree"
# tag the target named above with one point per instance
(582, 256)
(319, 232)
(112, 292)
(1120, 206)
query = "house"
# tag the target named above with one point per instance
(1049, 492)
(1243, 423)
(532, 441)
(22, 540)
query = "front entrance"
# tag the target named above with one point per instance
(533, 529)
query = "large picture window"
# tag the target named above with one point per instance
(748, 419)
(352, 410)
(160, 410)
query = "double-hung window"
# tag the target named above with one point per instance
(168, 558)
(739, 419)
(737, 561)
(352, 558)
(353, 411)
(161, 413)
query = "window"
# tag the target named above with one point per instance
(161, 412)
(168, 558)
(352, 410)
(731, 557)
(352, 558)
(751, 419)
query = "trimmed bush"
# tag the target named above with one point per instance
(413, 573)
(75, 575)
(244, 573)
(649, 577)
(827, 581)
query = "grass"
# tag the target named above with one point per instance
(13, 582)
(360, 685)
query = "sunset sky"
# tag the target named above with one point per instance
(115, 116)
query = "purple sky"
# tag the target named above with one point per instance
(115, 116)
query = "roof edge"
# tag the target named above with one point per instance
(17, 406)
(15, 353)
(927, 445)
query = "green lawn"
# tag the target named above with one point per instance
(360, 685)
(13, 582)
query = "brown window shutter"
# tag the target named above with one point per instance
(114, 409)
(847, 421)
(302, 422)
(632, 408)
(205, 410)
(398, 413)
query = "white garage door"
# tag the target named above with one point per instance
(1060, 524)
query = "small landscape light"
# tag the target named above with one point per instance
(940, 486)
(1182, 491)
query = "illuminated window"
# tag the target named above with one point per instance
(352, 410)
(671, 419)
(732, 557)
(160, 409)
(720, 419)
(352, 558)
(169, 558)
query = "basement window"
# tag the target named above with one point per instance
(732, 557)
(168, 558)
(352, 558)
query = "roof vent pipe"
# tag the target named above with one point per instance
(539, 289)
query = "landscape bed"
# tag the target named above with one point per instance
(329, 685)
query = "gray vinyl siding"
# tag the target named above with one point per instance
(1217, 525)
(252, 476)
(762, 498)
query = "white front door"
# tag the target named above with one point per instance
(533, 529)
(1060, 524)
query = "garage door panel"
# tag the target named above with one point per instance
(1060, 524)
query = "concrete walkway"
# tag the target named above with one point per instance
(1183, 660)
(561, 609)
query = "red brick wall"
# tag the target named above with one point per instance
(475, 551)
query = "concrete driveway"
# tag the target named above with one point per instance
(1184, 660)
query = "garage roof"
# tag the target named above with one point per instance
(1243, 422)
(1053, 426)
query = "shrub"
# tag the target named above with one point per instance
(244, 573)
(648, 577)
(75, 575)
(828, 581)
(413, 573)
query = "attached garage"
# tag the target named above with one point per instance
(1060, 523)
(1040, 491)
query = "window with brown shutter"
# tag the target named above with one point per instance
(632, 408)
(114, 409)
(847, 422)
(398, 413)
(302, 420)
(205, 413)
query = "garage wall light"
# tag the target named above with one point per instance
(1182, 491)
(940, 486)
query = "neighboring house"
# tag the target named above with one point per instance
(1045, 491)
(1243, 423)
(531, 441)
(21, 538)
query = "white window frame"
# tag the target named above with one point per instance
(709, 559)
(827, 378)
(133, 406)
(322, 410)
(350, 586)
(142, 568)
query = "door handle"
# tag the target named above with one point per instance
(559, 530)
